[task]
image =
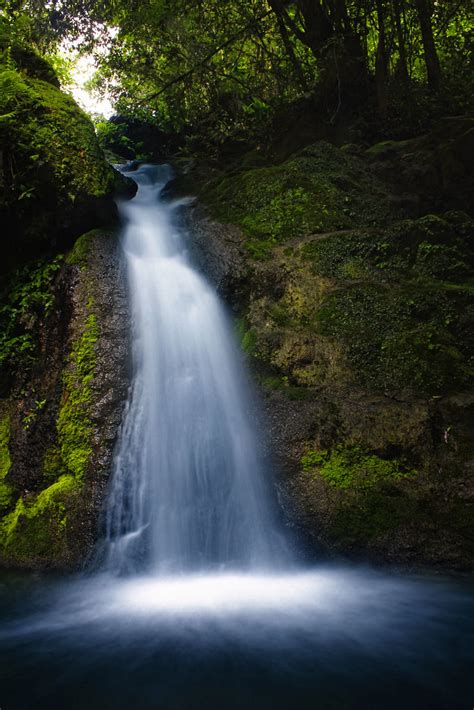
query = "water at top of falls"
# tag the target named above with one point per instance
(188, 490)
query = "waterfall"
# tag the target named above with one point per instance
(188, 490)
(195, 604)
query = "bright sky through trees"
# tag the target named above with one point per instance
(81, 74)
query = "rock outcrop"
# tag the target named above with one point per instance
(356, 310)
(60, 423)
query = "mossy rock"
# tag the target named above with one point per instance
(369, 494)
(402, 302)
(55, 179)
(37, 529)
(354, 468)
(74, 425)
(376, 503)
(401, 338)
(317, 190)
(434, 246)
(39, 522)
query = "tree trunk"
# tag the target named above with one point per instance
(433, 69)
(335, 45)
(288, 46)
(402, 68)
(381, 62)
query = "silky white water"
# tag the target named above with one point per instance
(187, 490)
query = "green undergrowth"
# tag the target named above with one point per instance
(354, 468)
(31, 416)
(27, 299)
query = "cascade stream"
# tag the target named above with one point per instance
(188, 490)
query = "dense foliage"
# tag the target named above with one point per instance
(226, 67)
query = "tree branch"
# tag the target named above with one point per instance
(204, 61)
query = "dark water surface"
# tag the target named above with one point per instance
(331, 637)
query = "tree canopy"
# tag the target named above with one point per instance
(227, 66)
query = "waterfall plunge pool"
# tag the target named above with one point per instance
(331, 637)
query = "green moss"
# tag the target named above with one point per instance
(280, 314)
(374, 515)
(433, 246)
(259, 249)
(282, 384)
(79, 253)
(410, 337)
(52, 162)
(274, 382)
(53, 132)
(74, 423)
(5, 463)
(353, 468)
(53, 466)
(368, 498)
(320, 189)
(246, 336)
(37, 528)
(403, 302)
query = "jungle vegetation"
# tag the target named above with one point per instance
(229, 69)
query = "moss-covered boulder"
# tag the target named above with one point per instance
(55, 182)
(320, 189)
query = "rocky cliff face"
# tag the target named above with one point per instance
(59, 423)
(63, 317)
(355, 306)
